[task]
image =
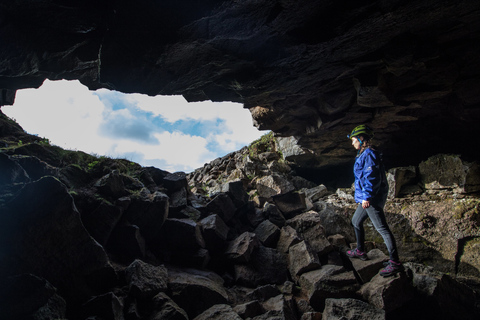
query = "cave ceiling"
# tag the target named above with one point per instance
(311, 69)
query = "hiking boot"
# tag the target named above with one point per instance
(391, 268)
(357, 254)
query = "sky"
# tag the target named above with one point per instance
(166, 132)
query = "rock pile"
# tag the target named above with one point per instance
(242, 238)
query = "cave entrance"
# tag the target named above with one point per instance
(163, 131)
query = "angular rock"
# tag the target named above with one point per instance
(443, 171)
(240, 250)
(111, 185)
(388, 293)
(221, 205)
(308, 225)
(105, 306)
(180, 235)
(29, 297)
(46, 209)
(237, 193)
(11, 172)
(34, 167)
(215, 233)
(311, 316)
(351, 309)
(450, 297)
(219, 312)
(335, 223)
(127, 243)
(148, 212)
(249, 310)
(271, 212)
(301, 259)
(282, 307)
(175, 181)
(145, 280)
(398, 178)
(290, 203)
(267, 266)
(255, 217)
(264, 293)
(166, 309)
(288, 237)
(328, 282)
(366, 270)
(187, 285)
(178, 200)
(101, 222)
(316, 193)
(272, 185)
(268, 233)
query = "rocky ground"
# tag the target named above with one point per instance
(244, 237)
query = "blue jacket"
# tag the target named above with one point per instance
(370, 178)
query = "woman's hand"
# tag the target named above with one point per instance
(365, 204)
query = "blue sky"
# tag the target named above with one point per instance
(166, 132)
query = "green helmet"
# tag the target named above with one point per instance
(361, 130)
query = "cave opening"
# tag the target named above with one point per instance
(166, 132)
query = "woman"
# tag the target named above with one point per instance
(371, 190)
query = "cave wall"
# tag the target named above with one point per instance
(309, 69)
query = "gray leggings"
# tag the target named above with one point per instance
(377, 216)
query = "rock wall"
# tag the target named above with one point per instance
(242, 238)
(310, 69)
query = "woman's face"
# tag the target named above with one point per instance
(356, 143)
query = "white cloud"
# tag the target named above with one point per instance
(125, 126)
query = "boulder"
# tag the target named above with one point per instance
(288, 237)
(179, 236)
(148, 212)
(446, 171)
(449, 297)
(316, 193)
(271, 212)
(11, 172)
(281, 307)
(215, 233)
(264, 292)
(236, 192)
(102, 221)
(308, 226)
(221, 205)
(328, 282)
(105, 306)
(27, 296)
(34, 167)
(241, 248)
(166, 309)
(249, 309)
(47, 211)
(267, 266)
(178, 200)
(366, 270)
(188, 285)
(383, 293)
(268, 233)
(175, 181)
(127, 243)
(274, 184)
(351, 309)
(218, 312)
(398, 178)
(290, 203)
(145, 280)
(301, 259)
(111, 185)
